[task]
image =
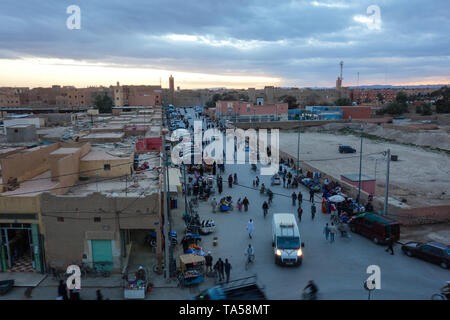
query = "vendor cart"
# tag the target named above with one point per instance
(276, 179)
(135, 285)
(192, 269)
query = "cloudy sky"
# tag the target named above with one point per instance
(232, 43)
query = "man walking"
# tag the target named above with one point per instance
(214, 205)
(300, 198)
(208, 261)
(284, 181)
(265, 208)
(300, 212)
(311, 195)
(220, 186)
(294, 197)
(313, 211)
(332, 232)
(220, 266)
(227, 269)
(326, 230)
(250, 228)
(245, 203)
(390, 243)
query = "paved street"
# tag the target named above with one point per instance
(338, 268)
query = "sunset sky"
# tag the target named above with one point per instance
(233, 43)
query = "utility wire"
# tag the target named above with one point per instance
(72, 186)
(79, 172)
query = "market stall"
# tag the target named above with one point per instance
(192, 269)
(136, 284)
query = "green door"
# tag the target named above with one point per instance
(102, 252)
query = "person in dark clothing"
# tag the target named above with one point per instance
(208, 261)
(245, 203)
(227, 267)
(299, 212)
(312, 289)
(201, 170)
(220, 187)
(62, 290)
(313, 211)
(230, 181)
(214, 169)
(294, 198)
(284, 181)
(300, 197)
(99, 295)
(219, 266)
(75, 294)
(390, 243)
(265, 207)
(311, 195)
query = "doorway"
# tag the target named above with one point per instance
(16, 252)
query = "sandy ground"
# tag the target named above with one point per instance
(419, 176)
(438, 138)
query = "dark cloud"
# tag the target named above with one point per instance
(301, 42)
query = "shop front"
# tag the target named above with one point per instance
(20, 248)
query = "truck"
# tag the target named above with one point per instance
(286, 243)
(240, 289)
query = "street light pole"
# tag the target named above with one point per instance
(386, 190)
(298, 146)
(360, 167)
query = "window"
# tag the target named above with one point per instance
(107, 167)
(97, 219)
(60, 219)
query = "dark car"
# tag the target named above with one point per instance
(375, 227)
(434, 252)
(346, 149)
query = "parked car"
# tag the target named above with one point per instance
(433, 252)
(346, 149)
(375, 227)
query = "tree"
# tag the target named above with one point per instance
(103, 103)
(419, 109)
(212, 103)
(243, 97)
(290, 100)
(396, 108)
(401, 97)
(426, 109)
(380, 98)
(343, 102)
(229, 97)
(442, 97)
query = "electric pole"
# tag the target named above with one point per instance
(386, 190)
(360, 167)
(298, 146)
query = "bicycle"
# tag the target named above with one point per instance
(101, 268)
(87, 270)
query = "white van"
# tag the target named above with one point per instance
(286, 239)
